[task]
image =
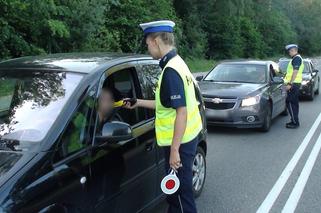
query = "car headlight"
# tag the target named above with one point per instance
(305, 82)
(251, 101)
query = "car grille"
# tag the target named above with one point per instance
(218, 106)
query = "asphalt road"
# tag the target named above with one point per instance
(245, 166)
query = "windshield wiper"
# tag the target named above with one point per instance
(235, 81)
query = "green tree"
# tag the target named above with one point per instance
(223, 29)
(306, 21)
(274, 27)
(122, 18)
(252, 40)
(205, 28)
(194, 39)
(39, 26)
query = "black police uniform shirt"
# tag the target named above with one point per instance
(296, 62)
(172, 93)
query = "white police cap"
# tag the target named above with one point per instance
(158, 26)
(290, 46)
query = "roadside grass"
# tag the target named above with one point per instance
(200, 65)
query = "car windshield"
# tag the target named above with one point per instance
(30, 102)
(284, 65)
(245, 73)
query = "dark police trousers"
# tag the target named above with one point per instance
(292, 102)
(184, 197)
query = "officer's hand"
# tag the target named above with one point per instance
(175, 160)
(288, 87)
(128, 104)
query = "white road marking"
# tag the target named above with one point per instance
(286, 173)
(297, 191)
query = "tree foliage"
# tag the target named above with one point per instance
(205, 28)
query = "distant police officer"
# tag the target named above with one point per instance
(293, 81)
(178, 121)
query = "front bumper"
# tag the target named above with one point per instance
(240, 117)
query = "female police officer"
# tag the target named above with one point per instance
(178, 120)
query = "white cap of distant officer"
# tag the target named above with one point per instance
(292, 49)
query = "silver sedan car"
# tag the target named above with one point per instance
(243, 94)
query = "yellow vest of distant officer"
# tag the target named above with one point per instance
(289, 72)
(165, 117)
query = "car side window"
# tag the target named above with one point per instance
(272, 72)
(312, 67)
(276, 70)
(124, 84)
(6, 96)
(78, 132)
(148, 77)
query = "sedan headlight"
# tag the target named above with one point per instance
(251, 101)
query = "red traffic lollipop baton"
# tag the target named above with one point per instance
(170, 183)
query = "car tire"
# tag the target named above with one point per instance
(311, 96)
(199, 172)
(267, 120)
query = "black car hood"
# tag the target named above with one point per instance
(228, 89)
(11, 162)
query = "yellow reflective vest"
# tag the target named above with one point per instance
(289, 73)
(165, 117)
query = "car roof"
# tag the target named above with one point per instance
(255, 62)
(73, 62)
(288, 59)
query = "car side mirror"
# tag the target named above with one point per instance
(277, 80)
(199, 78)
(114, 132)
(314, 73)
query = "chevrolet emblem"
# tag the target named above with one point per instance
(217, 100)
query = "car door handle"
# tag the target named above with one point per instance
(149, 146)
(83, 180)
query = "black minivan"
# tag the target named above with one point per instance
(119, 170)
